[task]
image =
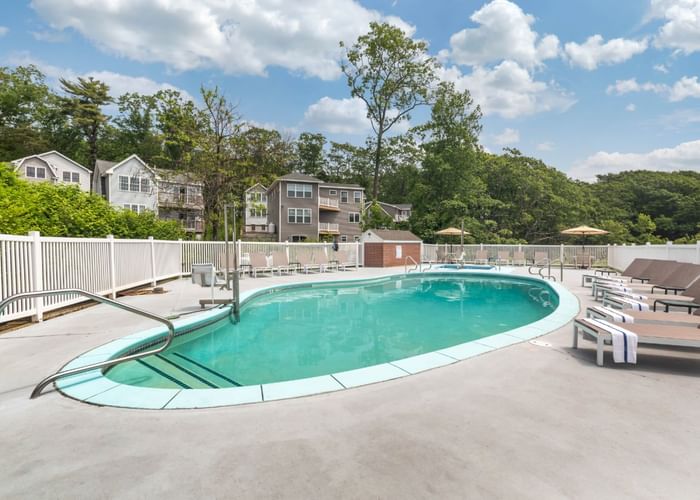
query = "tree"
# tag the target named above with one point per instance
(392, 74)
(310, 154)
(84, 105)
(181, 126)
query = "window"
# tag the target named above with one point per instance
(66, 176)
(332, 192)
(135, 208)
(297, 238)
(356, 237)
(299, 190)
(257, 212)
(354, 217)
(75, 177)
(123, 183)
(343, 238)
(357, 195)
(343, 197)
(31, 172)
(299, 215)
(40, 173)
(145, 185)
(134, 184)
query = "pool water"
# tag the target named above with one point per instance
(469, 267)
(306, 331)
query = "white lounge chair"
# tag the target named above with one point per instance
(306, 262)
(258, 264)
(503, 257)
(280, 263)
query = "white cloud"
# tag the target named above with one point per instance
(50, 36)
(545, 146)
(4, 30)
(509, 90)
(631, 108)
(594, 52)
(119, 84)
(685, 156)
(681, 30)
(682, 89)
(238, 37)
(337, 116)
(507, 137)
(504, 32)
(661, 68)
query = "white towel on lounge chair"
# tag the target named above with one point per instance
(634, 296)
(624, 342)
(613, 286)
(634, 304)
(616, 315)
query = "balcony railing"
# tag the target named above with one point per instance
(328, 228)
(328, 204)
(193, 226)
(180, 200)
(260, 228)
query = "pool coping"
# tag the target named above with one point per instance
(95, 388)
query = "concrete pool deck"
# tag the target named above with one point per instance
(525, 421)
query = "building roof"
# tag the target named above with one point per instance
(256, 185)
(101, 167)
(394, 235)
(337, 185)
(296, 176)
(41, 156)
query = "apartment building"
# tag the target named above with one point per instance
(256, 225)
(399, 212)
(302, 207)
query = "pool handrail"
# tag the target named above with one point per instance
(416, 265)
(102, 364)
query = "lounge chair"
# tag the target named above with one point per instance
(482, 257)
(258, 264)
(636, 267)
(441, 254)
(643, 317)
(323, 263)
(343, 261)
(519, 258)
(663, 275)
(689, 299)
(503, 257)
(541, 258)
(583, 260)
(280, 263)
(306, 262)
(655, 335)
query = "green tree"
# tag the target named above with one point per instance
(311, 158)
(376, 218)
(392, 74)
(84, 103)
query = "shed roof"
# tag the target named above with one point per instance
(394, 235)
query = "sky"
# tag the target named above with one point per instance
(589, 87)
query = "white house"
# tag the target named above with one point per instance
(53, 167)
(128, 184)
(256, 216)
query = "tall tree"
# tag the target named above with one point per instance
(392, 74)
(310, 154)
(180, 125)
(84, 104)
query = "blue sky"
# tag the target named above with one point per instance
(590, 87)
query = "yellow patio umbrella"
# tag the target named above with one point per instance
(584, 231)
(453, 231)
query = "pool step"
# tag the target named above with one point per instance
(171, 375)
(210, 373)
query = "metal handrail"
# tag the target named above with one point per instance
(102, 364)
(416, 266)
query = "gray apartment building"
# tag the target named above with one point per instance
(302, 207)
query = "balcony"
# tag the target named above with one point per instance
(328, 228)
(193, 226)
(166, 199)
(260, 228)
(328, 204)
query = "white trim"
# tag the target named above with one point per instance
(145, 165)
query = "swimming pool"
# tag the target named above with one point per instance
(325, 336)
(465, 267)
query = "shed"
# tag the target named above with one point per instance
(389, 247)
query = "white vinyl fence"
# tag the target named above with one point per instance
(107, 265)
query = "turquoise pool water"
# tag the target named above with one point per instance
(306, 331)
(470, 267)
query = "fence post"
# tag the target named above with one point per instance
(112, 267)
(239, 248)
(697, 252)
(153, 260)
(357, 254)
(561, 253)
(669, 244)
(181, 247)
(37, 275)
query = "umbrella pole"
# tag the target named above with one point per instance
(461, 239)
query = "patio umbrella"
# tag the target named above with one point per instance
(453, 231)
(584, 231)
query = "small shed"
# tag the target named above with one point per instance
(389, 247)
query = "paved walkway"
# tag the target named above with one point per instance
(526, 421)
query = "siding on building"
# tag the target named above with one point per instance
(132, 167)
(342, 216)
(55, 164)
(285, 230)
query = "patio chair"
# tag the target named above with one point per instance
(323, 263)
(259, 264)
(519, 258)
(441, 254)
(688, 299)
(306, 262)
(643, 317)
(649, 334)
(583, 260)
(503, 257)
(541, 258)
(280, 263)
(482, 257)
(343, 261)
